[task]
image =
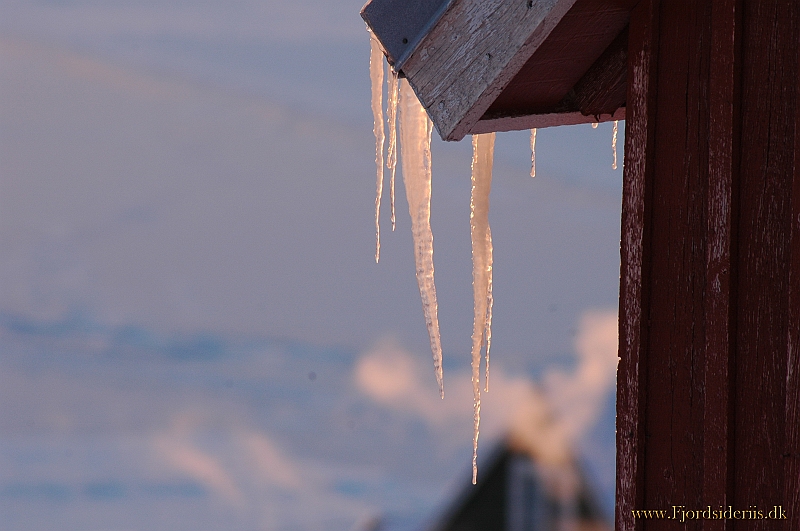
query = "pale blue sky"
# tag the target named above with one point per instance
(186, 233)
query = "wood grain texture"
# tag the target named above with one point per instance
(674, 317)
(568, 54)
(474, 49)
(714, 420)
(721, 279)
(769, 77)
(530, 121)
(497, 61)
(603, 88)
(634, 254)
(792, 452)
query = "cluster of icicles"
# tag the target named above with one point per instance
(416, 128)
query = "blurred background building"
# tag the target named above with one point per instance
(520, 492)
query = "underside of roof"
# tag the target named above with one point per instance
(479, 66)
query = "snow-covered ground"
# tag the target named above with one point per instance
(193, 331)
(122, 428)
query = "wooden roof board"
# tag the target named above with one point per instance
(531, 121)
(471, 53)
(401, 24)
(581, 37)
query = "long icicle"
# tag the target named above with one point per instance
(489, 305)
(376, 62)
(614, 144)
(415, 146)
(482, 155)
(533, 152)
(391, 159)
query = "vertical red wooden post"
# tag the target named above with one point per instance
(708, 382)
(792, 454)
(721, 206)
(769, 92)
(636, 193)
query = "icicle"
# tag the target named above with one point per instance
(614, 145)
(376, 77)
(415, 146)
(391, 160)
(489, 305)
(533, 152)
(482, 155)
(594, 125)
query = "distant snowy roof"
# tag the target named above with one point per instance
(520, 493)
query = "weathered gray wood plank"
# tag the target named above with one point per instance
(475, 49)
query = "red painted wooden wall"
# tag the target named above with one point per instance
(709, 377)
